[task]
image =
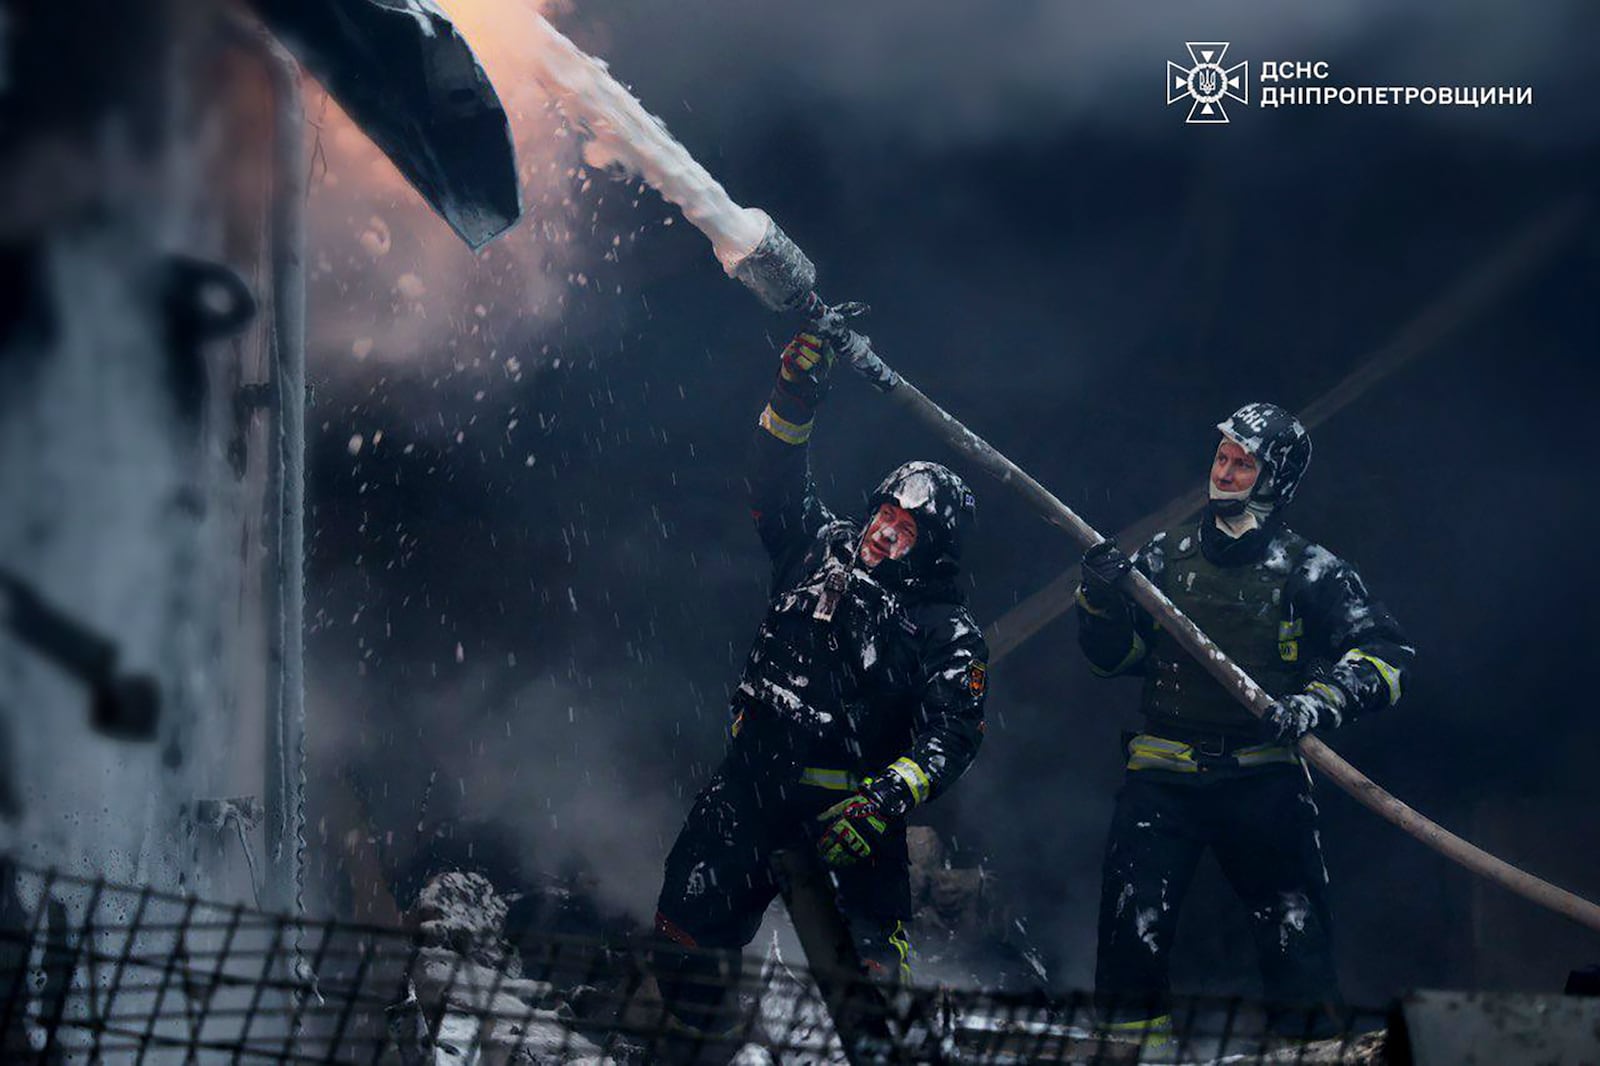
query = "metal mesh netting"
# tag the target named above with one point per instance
(93, 971)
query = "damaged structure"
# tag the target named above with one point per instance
(152, 397)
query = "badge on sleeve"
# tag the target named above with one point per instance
(977, 677)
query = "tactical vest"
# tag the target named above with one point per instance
(1242, 608)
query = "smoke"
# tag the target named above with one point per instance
(393, 289)
(561, 769)
(392, 285)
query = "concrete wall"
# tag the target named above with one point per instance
(141, 467)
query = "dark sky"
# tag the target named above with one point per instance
(548, 613)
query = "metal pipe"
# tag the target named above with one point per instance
(284, 791)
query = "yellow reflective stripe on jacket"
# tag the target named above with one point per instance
(1135, 653)
(1148, 752)
(1335, 697)
(785, 430)
(1083, 601)
(1262, 754)
(914, 776)
(1390, 674)
(833, 780)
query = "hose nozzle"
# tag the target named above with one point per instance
(777, 271)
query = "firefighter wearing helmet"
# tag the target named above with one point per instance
(861, 698)
(1204, 772)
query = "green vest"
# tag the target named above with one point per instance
(1243, 609)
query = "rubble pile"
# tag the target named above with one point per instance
(468, 999)
(1368, 1049)
(471, 1000)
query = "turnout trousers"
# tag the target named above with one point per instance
(1262, 827)
(719, 883)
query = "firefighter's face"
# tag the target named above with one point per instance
(890, 535)
(1233, 469)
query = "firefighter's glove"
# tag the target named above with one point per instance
(1320, 706)
(803, 372)
(1104, 566)
(854, 827)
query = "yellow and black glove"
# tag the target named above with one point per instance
(804, 369)
(854, 826)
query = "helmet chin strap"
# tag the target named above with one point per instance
(1237, 513)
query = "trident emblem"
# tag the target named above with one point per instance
(1206, 82)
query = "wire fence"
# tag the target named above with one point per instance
(92, 971)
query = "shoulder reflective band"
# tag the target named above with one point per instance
(785, 430)
(914, 777)
(832, 780)
(1390, 674)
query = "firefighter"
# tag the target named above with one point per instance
(1204, 772)
(862, 698)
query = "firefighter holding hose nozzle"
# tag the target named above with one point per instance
(862, 698)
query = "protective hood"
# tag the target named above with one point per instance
(943, 507)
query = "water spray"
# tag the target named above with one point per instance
(755, 251)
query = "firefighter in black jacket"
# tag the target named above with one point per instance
(1205, 772)
(862, 698)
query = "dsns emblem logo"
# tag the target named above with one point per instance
(1207, 82)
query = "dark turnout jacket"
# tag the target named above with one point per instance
(1285, 609)
(853, 672)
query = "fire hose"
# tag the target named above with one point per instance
(757, 253)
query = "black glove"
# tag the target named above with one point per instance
(1104, 566)
(1320, 706)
